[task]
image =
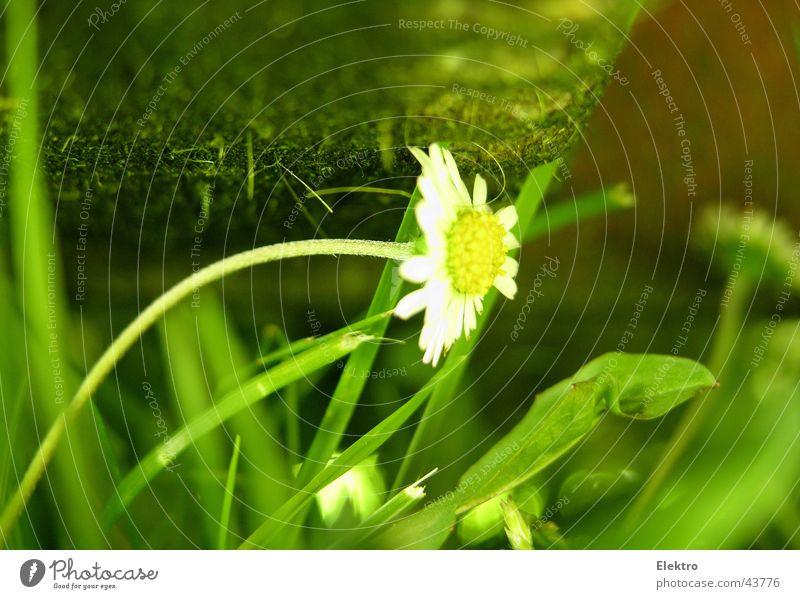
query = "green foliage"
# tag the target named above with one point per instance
(349, 458)
(630, 451)
(735, 479)
(631, 386)
(164, 456)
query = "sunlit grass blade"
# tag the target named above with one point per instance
(254, 390)
(227, 501)
(36, 256)
(350, 457)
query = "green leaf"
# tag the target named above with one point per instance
(559, 418)
(650, 385)
(632, 386)
(628, 385)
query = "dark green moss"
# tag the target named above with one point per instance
(334, 94)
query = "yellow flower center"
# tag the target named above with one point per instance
(475, 252)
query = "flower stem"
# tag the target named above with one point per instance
(151, 314)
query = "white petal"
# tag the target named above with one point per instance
(435, 345)
(455, 320)
(417, 269)
(470, 320)
(422, 158)
(429, 217)
(510, 241)
(507, 217)
(510, 267)
(506, 286)
(439, 298)
(455, 176)
(429, 192)
(437, 159)
(438, 348)
(479, 192)
(414, 303)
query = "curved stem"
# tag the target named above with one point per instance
(364, 189)
(213, 272)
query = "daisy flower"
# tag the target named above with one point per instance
(465, 253)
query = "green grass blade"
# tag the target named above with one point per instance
(186, 373)
(227, 501)
(12, 385)
(364, 189)
(39, 281)
(348, 390)
(113, 465)
(265, 471)
(254, 390)
(350, 457)
(585, 207)
(368, 324)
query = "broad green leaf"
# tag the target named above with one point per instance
(632, 386)
(650, 385)
(629, 385)
(560, 418)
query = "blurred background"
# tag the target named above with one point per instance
(170, 139)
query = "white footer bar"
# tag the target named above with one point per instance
(407, 575)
